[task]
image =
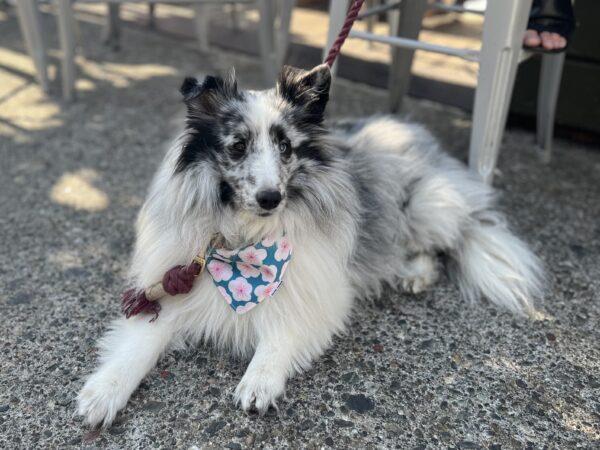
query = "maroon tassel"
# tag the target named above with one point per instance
(134, 302)
(178, 280)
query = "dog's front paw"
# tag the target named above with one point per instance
(259, 389)
(102, 396)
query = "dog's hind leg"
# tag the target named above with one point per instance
(422, 272)
(127, 353)
(452, 211)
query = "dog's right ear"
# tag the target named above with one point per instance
(206, 97)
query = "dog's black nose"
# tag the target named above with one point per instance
(268, 199)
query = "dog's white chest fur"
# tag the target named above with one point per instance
(316, 289)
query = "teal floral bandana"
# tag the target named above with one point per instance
(248, 275)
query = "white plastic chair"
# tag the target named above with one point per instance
(273, 34)
(273, 39)
(29, 21)
(501, 52)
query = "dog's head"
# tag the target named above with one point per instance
(260, 144)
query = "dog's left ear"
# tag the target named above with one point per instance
(307, 89)
(206, 97)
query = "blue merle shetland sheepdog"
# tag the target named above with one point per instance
(366, 203)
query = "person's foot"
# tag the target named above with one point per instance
(545, 39)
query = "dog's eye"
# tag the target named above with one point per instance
(284, 148)
(238, 149)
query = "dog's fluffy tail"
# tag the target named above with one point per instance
(492, 262)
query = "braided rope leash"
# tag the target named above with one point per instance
(343, 34)
(180, 279)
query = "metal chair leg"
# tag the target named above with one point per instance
(235, 17)
(266, 38)
(503, 31)
(283, 32)
(66, 32)
(371, 21)
(407, 26)
(152, 15)
(112, 29)
(29, 20)
(202, 14)
(549, 86)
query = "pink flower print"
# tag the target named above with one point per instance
(284, 248)
(263, 291)
(247, 270)
(269, 273)
(245, 308)
(225, 253)
(225, 294)
(240, 289)
(268, 241)
(252, 255)
(219, 270)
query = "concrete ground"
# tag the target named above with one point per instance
(412, 372)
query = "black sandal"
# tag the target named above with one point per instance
(552, 16)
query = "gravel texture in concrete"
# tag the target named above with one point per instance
(416, 372)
